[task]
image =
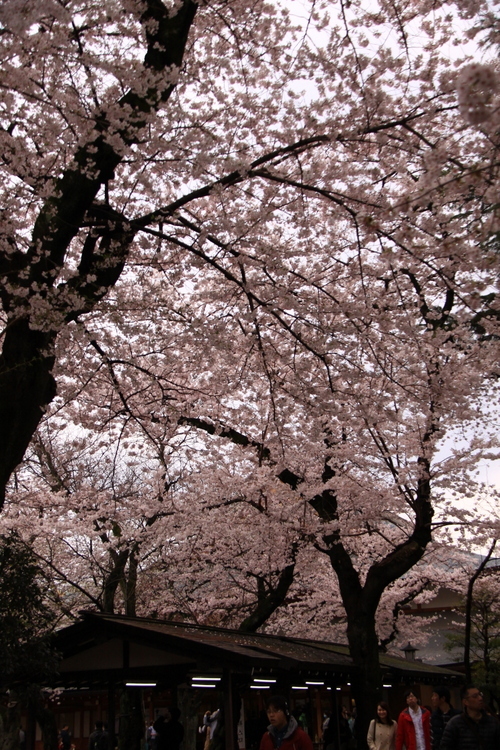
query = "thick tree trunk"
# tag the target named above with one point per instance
(366, 681)
(360, 605)
(131, 719)
(114, 579)
(10, 724)
(361, 601)
(47, 721)
(26, 388)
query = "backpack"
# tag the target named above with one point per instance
(101, 741)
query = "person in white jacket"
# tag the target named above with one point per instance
(382, 730)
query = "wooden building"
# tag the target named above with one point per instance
(111, 663)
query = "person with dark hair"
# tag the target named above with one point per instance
(344, 730)
(330, 733)
(473, 729)
(414, 726)
(169, 730)
(442, 713)
(65, 738)
(382, 730)
(99, 739)
(283, 730)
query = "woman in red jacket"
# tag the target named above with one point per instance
(283, 731)
(414, 726)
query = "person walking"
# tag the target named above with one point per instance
(65, 738)
(169, 730)
(442, 713)
(209, 726)
(330, 732)
(283, 730)
(99, 739)
(414, 726)
(151, 737)
(473, 729)
(345, 734)
(382, 730)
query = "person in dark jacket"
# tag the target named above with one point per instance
(169, 730)
(473, 729)
(283, 730)
(99, 739)
(345, 734)
(442, 713)
(65, 738)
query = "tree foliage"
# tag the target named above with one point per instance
(256, 248)
(25, 618)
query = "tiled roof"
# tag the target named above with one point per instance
(229, 647)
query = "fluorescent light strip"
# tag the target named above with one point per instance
(203, 685)
(207, 679)
(314, 683)
(299, 687)
(257, 679)
(258, 687)
(140, 684)
(387, 686)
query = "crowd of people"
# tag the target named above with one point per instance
(438, 727)
(98, 740)
(442, 728)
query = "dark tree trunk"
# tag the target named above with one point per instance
(361, 601)
(26, 388)
(10, 724)
(114, 579)
(130, 580)
(360, 605)
(47, 721)
(131, 730)
(366, 681)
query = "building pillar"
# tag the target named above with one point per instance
(111, 715)
(229, 719)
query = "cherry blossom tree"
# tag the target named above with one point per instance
(84, 110)
(279, 234)
(89, 128)
(111, 537)
(119, 544)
